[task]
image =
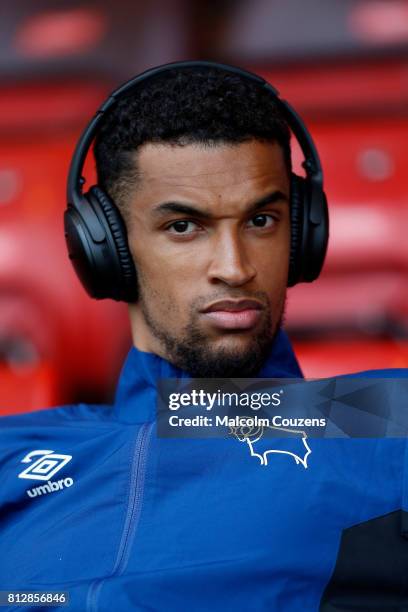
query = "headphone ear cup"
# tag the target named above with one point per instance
(122, 286)
(309, 230)
(97, 246)
(297, 202)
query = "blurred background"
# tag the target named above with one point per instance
(343, 64)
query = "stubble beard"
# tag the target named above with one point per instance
(192, 349)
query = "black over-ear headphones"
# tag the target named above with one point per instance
(96, 234)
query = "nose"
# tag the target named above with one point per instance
(230, 262)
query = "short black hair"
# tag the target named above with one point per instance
(204, 105)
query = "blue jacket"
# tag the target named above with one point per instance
(93, 503)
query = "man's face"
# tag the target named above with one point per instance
(209, 230)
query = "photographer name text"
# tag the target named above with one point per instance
(243, 421)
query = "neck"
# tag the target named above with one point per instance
(142, 337)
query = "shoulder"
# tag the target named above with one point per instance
(65, 430)
(74, 413)
(386, 373)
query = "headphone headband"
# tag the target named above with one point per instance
(311, 164)
(96, 234)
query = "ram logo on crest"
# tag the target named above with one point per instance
(297, 446)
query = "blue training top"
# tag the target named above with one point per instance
(93, 503)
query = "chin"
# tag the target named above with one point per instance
(234, 341)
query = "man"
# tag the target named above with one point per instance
(93, 503)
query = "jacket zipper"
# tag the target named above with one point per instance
(132, 515)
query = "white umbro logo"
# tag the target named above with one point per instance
(44, 467)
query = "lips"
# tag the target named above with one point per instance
(233, 314)
(233, 306)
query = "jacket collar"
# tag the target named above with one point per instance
(135, 399)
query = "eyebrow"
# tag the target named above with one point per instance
(190, 209)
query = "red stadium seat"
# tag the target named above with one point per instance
(41, 300)
(28, 388)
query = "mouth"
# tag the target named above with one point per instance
(234, 314)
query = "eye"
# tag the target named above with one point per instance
(182, 227)
(263, 221)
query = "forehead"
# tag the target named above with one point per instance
(223, 171)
